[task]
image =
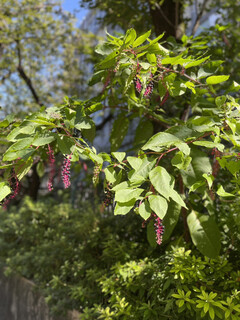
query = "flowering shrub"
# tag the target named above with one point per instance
(185, 110)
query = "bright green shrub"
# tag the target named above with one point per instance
(177, 286)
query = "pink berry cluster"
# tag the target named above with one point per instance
(96, 172)
(149, 89)
(51, 161)
(159, 229)
(108, 196)
(138, 84)
(66, 171)
(15, 186)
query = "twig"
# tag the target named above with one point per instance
(164, 16)
(24, 76)
(198, 19)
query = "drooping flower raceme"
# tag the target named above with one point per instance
(66, 171)
(159, 229)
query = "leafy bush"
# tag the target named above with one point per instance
(177, 286)
(65, 250)
(103, 266)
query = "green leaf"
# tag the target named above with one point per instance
(144, 132)
(209, 144)
(43, 139)
(209, 179)
(162, 181)
(43, 122)
(119, 156)
(16, 131)
(21, 144)
(151, 234)
(220, 101)
(94, 107)
(203, 74)
(82, 121)
(109, 61)
(4, 123)
(177, 88)
(216, 79)
(135, 162)
(195, 62)
(89, 134)
(174, 60)
(182, 146)
(171, 218)
(152, 59)
(151, 46)
(13, 155)
(159, 205)
(222, 193)
(177, 198)
(65, 143)
(140, 40)
(206, 307)
(146, 167)
(23, 167)
(96, 77)
(180, 161)
(211, 313)
(125, 195)
(130, 36)
(204, 233)
(4, 190)
(161, 140)
(111, 174)
(199, 165)
(196, 185)
(119, 130)
(145, 210)
(135, 178)
(124, 208)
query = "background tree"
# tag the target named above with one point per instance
(180, 170)
(40, 50)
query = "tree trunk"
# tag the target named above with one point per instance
(166, 17)
(34, 183)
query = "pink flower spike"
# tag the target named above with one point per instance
(159, 229)
(66, 171)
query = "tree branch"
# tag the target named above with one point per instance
(24, 76)
(199, 16)
(164, 16)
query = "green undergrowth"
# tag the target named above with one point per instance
(103, 266)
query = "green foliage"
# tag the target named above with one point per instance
(198, 147)
(96, 263)
(66, 250)
(177, 286)
(40, 50)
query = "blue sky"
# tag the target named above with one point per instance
(71, 5)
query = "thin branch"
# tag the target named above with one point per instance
(24, 76)
(198, 19)
(164, 16)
